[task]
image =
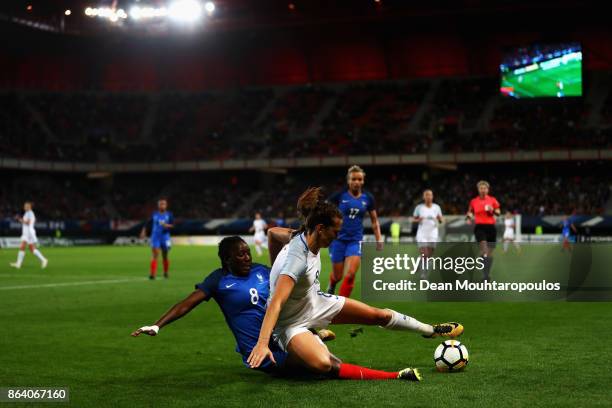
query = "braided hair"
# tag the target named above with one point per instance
(225, 248)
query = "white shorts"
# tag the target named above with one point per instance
(509, 235)
(426, 241)
(326, 308)
(29, 238)
(260, 237)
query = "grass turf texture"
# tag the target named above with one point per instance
(536, 354)
(542, 83)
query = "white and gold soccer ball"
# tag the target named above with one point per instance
(451, 356)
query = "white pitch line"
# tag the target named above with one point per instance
(55, 285)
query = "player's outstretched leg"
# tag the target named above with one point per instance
(355, 312)
(308, 352)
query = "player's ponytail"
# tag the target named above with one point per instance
(307, 202)
(325, 213)
(314, 210)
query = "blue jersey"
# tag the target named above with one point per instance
(242, 300)
(567, 230)
(158, 232)
(353, 210)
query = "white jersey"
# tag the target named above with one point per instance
(296, 261)
(509, 228)
(428, 226)
(259, 226)
(28, 231)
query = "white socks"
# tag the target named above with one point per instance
(20, 256)
(39, 255)
(258, 250)
(402, 322)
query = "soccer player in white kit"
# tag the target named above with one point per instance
(259, 226)
(296, 303)
(509, 233)
(428, 214)
(28, 237)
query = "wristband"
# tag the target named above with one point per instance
(155, 328)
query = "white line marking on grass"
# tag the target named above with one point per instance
(55, 285)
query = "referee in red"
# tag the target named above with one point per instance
(482, 212)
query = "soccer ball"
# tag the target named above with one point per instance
(451, 356)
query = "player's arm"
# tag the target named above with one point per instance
(147, 225)
(278, 237)
(21, 220)
(170, 223)
(252, 228)
(469, 216)
(176, 312)
(573, 227)
(376, 228)
(440, 217)
(496, 208)
(416, 218)
(284, 287)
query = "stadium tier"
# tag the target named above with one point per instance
(374, 118)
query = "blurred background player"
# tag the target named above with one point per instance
(160, 224)
(395, 229)
(509, 234)
(482, 211)
(428, 215)
(345, 251)
(259, 227)
(28, 237)
(568, 231)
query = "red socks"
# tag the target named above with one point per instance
(166, 266)
(347, 286)
(153, 267)
(354, 372)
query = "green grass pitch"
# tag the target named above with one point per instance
(541, 83)
(69, 325)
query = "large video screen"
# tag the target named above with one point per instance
(544, 70)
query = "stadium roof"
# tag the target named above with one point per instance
(52, 15)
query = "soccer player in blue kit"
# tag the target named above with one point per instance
(568, 229)
(345, 251)
(160, 224)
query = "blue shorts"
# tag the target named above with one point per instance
(164, 243)
(267, 365)
(338, 250)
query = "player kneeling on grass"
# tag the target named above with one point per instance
(297, 304)
(241, 290)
